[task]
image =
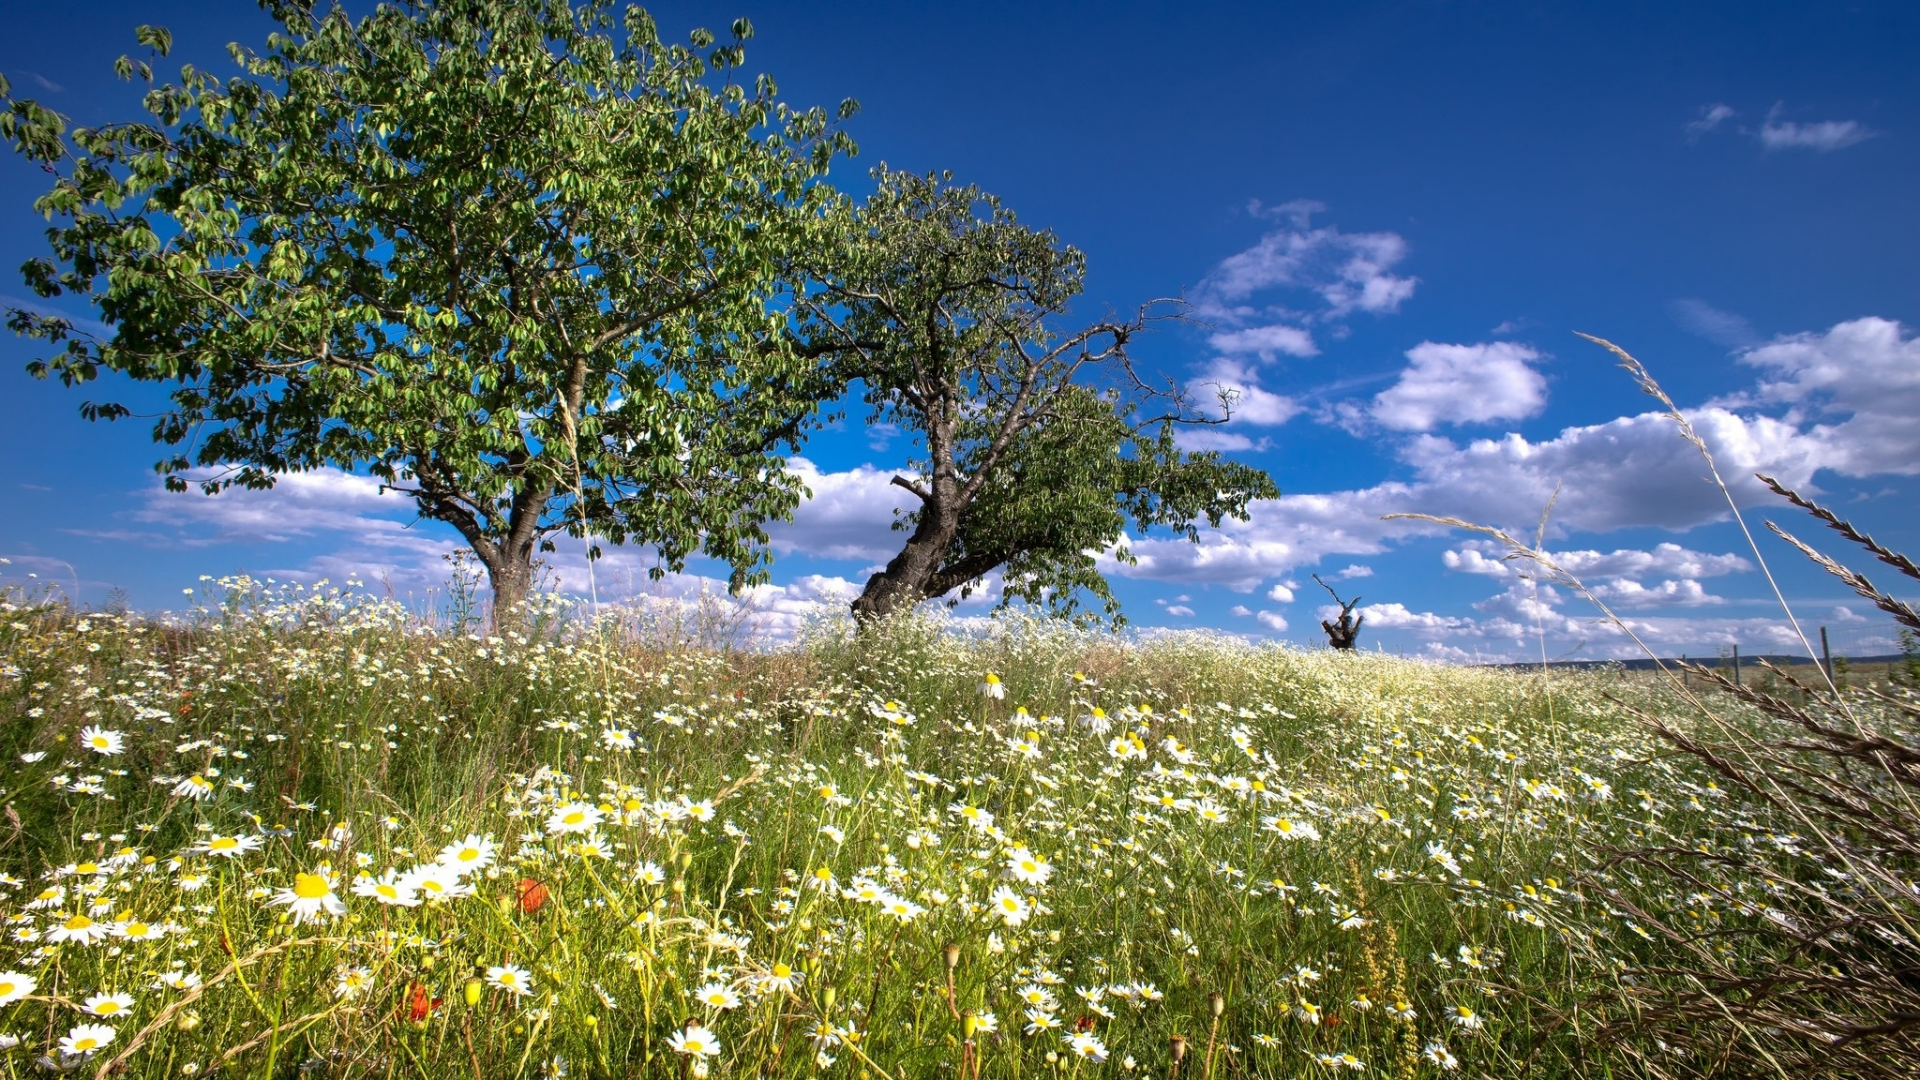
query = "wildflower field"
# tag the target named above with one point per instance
(304, 834)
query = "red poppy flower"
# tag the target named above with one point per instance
(533, 895)
(419, 1003)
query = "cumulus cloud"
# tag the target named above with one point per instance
(1630, 594)
(1281, 593)
(1632, 472)
(1250, 404)
(849, 515)
(1859, 382)
(1461, 384)
(1822, 137)
(1273, 621)
(1664, 559)
(1399, 617)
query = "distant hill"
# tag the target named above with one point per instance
(1648, 664)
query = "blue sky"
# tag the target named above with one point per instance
(1394, 217)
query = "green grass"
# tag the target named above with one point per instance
(1461, 816)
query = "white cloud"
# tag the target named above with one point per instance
(1266, 342)
(1458, 384)
(1273, 621)
(1181, 610)
(1711, 116)
(1347, 272)
(1398, 617)
(1630, 472)
(1703, 320)
(849, 516)
(1867, 370)
(1664, 559)
(1628, 594)
(1240, 611)
(299, 505)
(1280, 594)
(1823, 136)
(1473, 560)
(1251, 404)
(1353, 572)
(1195, 440)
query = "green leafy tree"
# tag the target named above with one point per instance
(515, 258)
(1039, 445)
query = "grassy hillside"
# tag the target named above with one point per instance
(306, 836)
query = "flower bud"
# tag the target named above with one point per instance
(471, 992)
(952, 952)
(1216, 1004)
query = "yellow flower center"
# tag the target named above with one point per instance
(387, 891)
(469, 854)
(6, 988)
(106, 1008)
(83, 1045)
(575, 818)
(507, 978)
(78, 922)
(87, 868)
(224, 843)
(310, 886)
(136, 929)
(780, 971)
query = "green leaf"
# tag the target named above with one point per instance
(413, 245)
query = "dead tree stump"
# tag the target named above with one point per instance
(1342, 634)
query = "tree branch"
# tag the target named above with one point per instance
(913, 486)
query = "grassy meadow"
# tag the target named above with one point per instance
(304, 834)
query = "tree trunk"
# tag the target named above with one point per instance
(904, 581)
(511, 575)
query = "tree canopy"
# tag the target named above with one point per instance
(1039, 444)
(517, 259)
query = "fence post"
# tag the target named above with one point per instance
(1736, 665)
(1826, 655)
(1685, 675)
